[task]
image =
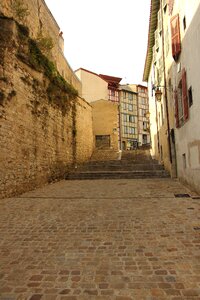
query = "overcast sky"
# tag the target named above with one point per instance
(105, 36)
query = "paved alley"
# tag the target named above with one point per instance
(101, 239)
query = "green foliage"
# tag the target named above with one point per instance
(59, 91)
(20, 10)
(23, 31)
(45, 43)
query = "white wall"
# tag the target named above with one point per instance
(188, 136)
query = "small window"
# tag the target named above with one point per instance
(124, 106)
(190, 97)
(132, 130)
(130, 96)
(130, 107)
(184, 161)
(144, 125)
(124, 95)
(131, 119)
(184, 23)
(126, 129)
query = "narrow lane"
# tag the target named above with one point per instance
(101, 239)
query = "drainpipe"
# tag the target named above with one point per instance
(165, 85)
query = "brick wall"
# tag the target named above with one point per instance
(38, 141)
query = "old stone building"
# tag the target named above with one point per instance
(42, 117)
(172, 72)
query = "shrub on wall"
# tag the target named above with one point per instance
(59, 91)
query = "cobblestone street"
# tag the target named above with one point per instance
(103, 239)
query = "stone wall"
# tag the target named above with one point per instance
(105, 121)
(39, 140)
(40, 21)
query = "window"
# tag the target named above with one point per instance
(130, 96)
(125, 118)
(130, 107)
(131, 119)
(143, 112)
(132, 130)
(124, 106)
(124, 95)
(144, 125)
(143, 101)
(126, 129)
(102, 141)
(181, 101)
(184, 23)
(190, 97)
(184, 161)
(176, 38)
(113, 95)
(144, 139)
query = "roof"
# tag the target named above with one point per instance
(127, 87)
(155, 5)
(107, 78)
(110, 78)
(86, 71)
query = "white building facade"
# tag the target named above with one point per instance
(172, 67)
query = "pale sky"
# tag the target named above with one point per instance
(105, 36)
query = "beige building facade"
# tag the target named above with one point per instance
(172, 67)
(102, 92)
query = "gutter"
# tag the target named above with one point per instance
(154, 8)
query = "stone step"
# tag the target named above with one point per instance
(119, 167)
(116, 175)
(122, 162)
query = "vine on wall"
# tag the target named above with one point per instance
(59, 91)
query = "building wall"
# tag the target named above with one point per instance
(84, 131)
(143, 121)
(188, 135)
(153, 117)
(39, 141)
(105, 114)
(41, 21)
(129, 118)
(186, 149)
(93, 87)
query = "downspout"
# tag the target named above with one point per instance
(165, 86)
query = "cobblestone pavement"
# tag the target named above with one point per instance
(113, 239)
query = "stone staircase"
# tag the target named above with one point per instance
(133, 164)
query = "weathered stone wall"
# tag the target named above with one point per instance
(84, 131)
(40, 21)
(38, 140)
(105, 121)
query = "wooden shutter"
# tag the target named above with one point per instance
(184, 95)
(176, 108)
(175, 36)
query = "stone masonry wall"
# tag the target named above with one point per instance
(40, 21)
(38, 141)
